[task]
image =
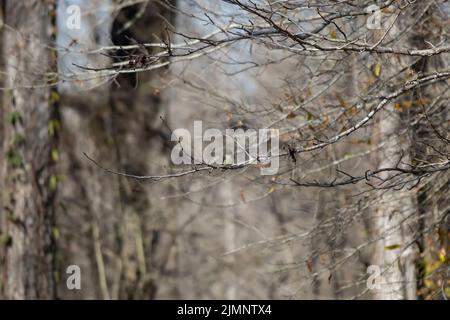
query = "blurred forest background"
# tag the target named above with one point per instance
(359, 91)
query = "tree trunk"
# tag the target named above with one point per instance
(393, 223)
(29, 150)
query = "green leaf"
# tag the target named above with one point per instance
(376, 70)
(14, 159)
(53, 182)
(56, 233)
(19, 140)
(5, 240)
(55, 155)
(53, 98)
(14, 117)
(53, 127)
(392, 247)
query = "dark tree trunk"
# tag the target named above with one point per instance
(135, 110)
(29, 153)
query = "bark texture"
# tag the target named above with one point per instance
(29, 151)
